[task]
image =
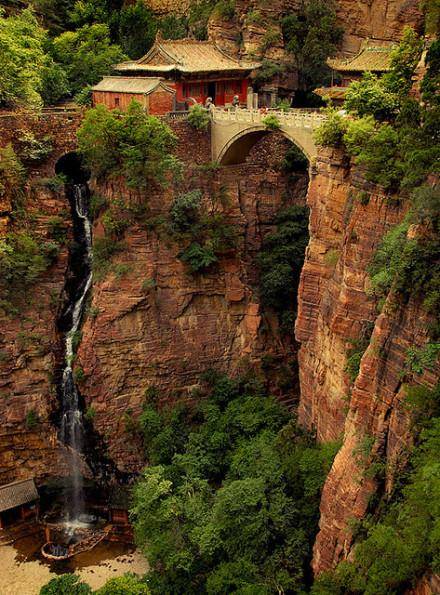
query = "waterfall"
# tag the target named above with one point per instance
(72, 429)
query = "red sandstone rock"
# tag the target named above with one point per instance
(333, 309)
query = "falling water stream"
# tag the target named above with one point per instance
(72, 428)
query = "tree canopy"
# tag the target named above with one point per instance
(130, 144)
(230, 501)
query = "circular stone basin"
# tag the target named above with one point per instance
(54, 551)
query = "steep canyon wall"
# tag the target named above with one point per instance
(348, 220)
(150, 321)
(158, 325)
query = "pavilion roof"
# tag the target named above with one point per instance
(127, 84)
(17, 493)
(337, 93)
(186, 56)
(374, 56)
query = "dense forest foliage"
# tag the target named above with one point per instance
(230, 501)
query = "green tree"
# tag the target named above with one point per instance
(129, 584)
(236, 506)
(370, 96)
(137, 29)
(404, 60)
(86, 55)
(22, 60)
(130, 144)
(55, 14)
(54, 83)
(312, 35)
(403, 543)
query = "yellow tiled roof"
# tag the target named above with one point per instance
(17, 493)
(130, 84)
(372, 58)
(187, 56)
(331, 92)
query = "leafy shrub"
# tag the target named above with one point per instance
(199, 258)
(270, 38)
(332, 130)
(294, 160)
(129, 584)
(207, 235)
(66, 584)
(381, 156)
(225, 9)
(23, 257)
(358, 133)
(131, 144)
(32, 148)
(410, 266)
(55, 183)
(90, 413)
(271, 122)
(235, 501)
(184, 211)
(103, 250)
(369, 97)
(331, 257)
(31, 420)
(254, 17)
(198, 117)
(419, 360)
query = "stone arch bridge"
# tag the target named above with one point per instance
(235, 131)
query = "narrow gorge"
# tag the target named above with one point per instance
(219, 297)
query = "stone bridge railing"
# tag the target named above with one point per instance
(233, 125)
(307, 118)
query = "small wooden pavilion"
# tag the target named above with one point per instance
(374, 56)
(196, 70)
(19, 501)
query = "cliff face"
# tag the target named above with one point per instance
(150, 322)
(158, 325)
(348, 220)
(29, 341)
(376, 19)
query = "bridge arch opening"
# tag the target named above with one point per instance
(72, 166)
(240, 146)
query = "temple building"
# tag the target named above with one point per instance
(18, 502)
(118, 91)
(374, 56)
(193, 70)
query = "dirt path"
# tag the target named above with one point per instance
(22, 575)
